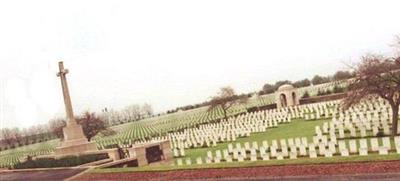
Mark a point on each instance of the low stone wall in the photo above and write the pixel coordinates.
(261, 108)
(317, 99)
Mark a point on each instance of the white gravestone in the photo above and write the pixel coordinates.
(363, 150)
(328, 153)
(303, 151)
(179, 161)
(332, 147)
(374, 144)
(311, 150)
(199, 161)
(386, 142)
(188, 161)
(265, 144)
(265, 156)
(279, 156)
(383, 150)
(321, 149)
(353, 146)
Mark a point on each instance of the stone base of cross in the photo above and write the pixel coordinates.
(74, 141)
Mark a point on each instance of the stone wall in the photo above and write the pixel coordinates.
(316, 99)
(266, 107)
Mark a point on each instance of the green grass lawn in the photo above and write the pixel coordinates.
(297, 128)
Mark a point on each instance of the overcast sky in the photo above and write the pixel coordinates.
(174, 53)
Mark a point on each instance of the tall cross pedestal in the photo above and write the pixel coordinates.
(74, 141)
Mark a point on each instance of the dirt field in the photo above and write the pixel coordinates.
(388, 170)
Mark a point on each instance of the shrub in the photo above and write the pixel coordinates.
(328, 92)
(323, 93)
(67, 161)
(306, 95)
(320, 93)
(338, 89)
(341, 75)
(380, 133)
(111, 146)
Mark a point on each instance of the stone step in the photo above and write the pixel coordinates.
(96, 163)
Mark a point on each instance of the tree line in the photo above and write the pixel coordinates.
(316, 80)
(15, 137)
(205, 103)
(271, 88)
(130, 113)
(91, 122)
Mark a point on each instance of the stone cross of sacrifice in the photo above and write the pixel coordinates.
(67, 99)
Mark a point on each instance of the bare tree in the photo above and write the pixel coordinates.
(56, 127)
(26, 136)
(7, 136)
(397, 48)
(115, 117)
(133, 111)
(377, 76)
(225, 99)
(146, 110)
(40, 132)
(17, 136)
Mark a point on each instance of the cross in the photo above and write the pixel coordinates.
(67, 98)
(63, 71)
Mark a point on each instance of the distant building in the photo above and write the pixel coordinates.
(286, 95)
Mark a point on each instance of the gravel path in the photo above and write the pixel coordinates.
(389, 170)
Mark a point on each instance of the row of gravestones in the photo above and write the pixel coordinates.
(333, 141)
(369, 105)
(196, 139)
(179, 146)
(206, 136)
(320, 110)
(313, 111)
(358, 116)
(355, 122)
(361, 130)
(313, 90)
(355, 125)
(334, 108)
(292, 112)
(266, 115)
(293, 151)
(363, 148)
(8, 160)
(210, 134)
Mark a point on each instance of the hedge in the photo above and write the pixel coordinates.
(67, 161)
